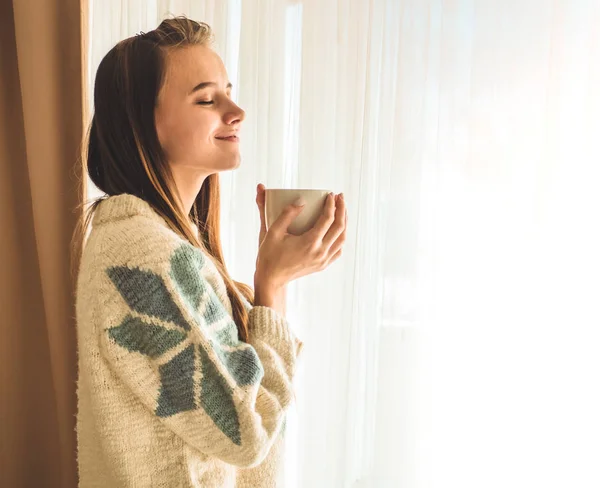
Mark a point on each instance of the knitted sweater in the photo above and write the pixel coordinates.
(168, 396)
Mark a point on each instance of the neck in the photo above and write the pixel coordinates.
(188, 185)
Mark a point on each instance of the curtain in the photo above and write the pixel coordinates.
(454, 342)
(41, 125)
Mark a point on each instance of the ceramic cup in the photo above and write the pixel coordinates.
(277, 199)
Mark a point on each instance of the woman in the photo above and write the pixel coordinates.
(185, 376)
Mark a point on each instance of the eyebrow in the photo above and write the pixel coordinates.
(205, 84)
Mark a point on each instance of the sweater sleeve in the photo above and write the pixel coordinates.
(171, 341)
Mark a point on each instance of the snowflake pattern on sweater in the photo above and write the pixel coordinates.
(146, 293)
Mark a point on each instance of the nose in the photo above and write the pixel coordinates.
(234, 116)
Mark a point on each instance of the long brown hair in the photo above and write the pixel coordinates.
(124, 154)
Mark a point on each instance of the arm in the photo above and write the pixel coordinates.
(268, 295)
(175, 346)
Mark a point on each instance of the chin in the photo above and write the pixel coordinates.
(229, 164)
(235, 163)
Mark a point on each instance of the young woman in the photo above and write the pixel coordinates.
(185, 376)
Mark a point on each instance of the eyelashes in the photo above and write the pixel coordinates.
(210, 102)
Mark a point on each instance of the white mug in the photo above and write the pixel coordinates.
(276, 199)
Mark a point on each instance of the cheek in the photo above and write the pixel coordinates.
(202, 125)
(187, 134)
(176, 132)
(193, 128)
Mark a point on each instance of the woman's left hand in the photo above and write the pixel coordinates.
(260, 201)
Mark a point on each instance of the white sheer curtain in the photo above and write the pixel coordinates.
(455, 343)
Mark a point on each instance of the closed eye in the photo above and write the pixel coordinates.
(205, 102)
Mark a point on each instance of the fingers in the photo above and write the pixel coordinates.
(335, 257)
(339, 224)
(341, 239)
(260, 202)
(260, 196)
(325, 220)
(288, 215)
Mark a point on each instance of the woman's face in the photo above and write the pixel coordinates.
(196, 120)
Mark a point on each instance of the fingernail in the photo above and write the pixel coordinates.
(300, 202)
(341, 196)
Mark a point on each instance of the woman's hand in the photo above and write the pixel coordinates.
(283, 257)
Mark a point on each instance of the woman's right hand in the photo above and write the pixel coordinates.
(284, 257)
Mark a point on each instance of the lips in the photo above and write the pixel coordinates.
(228, 138)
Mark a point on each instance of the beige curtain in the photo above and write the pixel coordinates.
(41, 127)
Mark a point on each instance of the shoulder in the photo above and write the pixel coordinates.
(139, 240)
(139, 253)
(141, 269)
(126, 227)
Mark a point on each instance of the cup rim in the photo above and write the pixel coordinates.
(298, 189)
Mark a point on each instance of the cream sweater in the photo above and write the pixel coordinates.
(167, 394)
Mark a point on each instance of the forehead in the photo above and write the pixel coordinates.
(187, 66)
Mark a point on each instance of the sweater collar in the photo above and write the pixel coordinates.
(123, 206)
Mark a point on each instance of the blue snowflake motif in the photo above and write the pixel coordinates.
(145, 292)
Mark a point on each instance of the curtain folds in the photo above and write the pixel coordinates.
(42, 116)
(463, 134)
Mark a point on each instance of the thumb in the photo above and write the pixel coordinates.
(288, 215)
(260, 201)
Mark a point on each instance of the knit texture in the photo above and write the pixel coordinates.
(168, 396)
